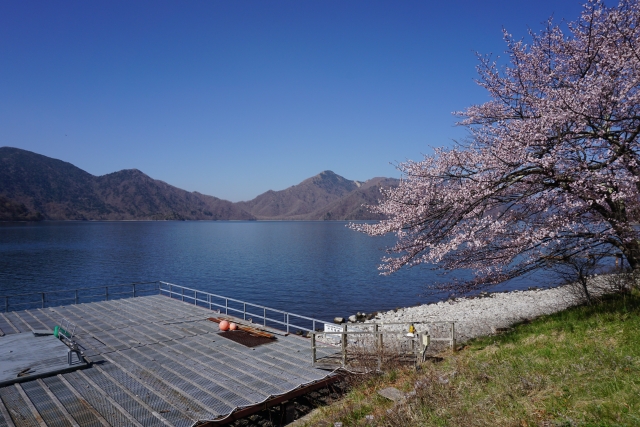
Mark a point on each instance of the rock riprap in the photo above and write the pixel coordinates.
(475, 317)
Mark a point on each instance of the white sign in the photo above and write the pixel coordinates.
(328, 327)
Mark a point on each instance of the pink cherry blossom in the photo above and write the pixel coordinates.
(552, 165)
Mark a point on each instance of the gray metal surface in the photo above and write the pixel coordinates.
(157, 361)
(25, 355)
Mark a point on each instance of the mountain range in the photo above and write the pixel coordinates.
(35, 187)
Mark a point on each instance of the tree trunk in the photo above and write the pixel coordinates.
(631, 252)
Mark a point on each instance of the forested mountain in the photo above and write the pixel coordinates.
(36, 187)
(52, 189)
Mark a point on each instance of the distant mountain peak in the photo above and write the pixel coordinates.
(33, 186)
(310, 199)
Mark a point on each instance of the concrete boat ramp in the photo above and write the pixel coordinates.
(151, 361)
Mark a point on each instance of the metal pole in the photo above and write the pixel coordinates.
(209, 300)
(226, 306)
(264, 316)
(378, 340)
(134, 290)
(287, 322)
(453, 336)
(313, 348)
(344, 345)
(244, 310)
(43, 300)
(106, 293)
(76, 296)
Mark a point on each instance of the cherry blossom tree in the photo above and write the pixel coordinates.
(551, 168)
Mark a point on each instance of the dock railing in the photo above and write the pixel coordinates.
(255, 313)
(55, 298)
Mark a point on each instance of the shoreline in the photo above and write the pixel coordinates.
(475, 317)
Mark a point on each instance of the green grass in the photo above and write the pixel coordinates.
(580, 367)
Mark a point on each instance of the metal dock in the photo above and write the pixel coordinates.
(155, 360)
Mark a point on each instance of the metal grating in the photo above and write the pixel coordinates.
(17, 408)
(185, 379)
(6, 324)
(157, 403)
(78, 408)
(227, 370)
(232, 390)
(47, 409)
(27, 320)
(261, 377)
(139, 412)
(97, 400)
(158, 361)
(199, 401)
(262, 367)
(16, 322)
(245, 338)
(42, 318)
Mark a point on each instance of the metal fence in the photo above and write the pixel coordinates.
(76, 296)
(368, 337)
(255, 313)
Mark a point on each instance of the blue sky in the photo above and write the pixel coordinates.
(233, 98)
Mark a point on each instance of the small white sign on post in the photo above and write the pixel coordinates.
(329, 327)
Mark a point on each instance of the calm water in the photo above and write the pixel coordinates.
(321, 269)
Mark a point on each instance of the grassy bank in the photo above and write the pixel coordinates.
(577, 367)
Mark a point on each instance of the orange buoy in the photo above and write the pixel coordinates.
(233, 326)
(224, 325)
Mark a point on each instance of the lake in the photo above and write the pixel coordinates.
(318, 269)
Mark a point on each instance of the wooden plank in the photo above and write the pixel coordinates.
(242, 327)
